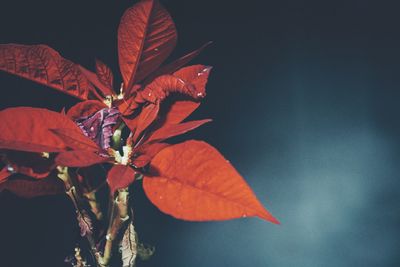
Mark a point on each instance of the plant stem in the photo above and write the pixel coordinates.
(118, 217)
(74, 194)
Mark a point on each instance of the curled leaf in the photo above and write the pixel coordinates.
(164, 85)
(192, 181)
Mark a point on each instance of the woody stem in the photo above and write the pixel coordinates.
(118, 217)
(72, 190)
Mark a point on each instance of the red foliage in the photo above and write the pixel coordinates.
(190, 181)
(193, 181)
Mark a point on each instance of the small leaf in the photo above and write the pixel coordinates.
(104, 74)
(146, 117)
(194, 182)
(29, 129)
(175, 65)
(171, 130)
(120, 176)
(146, 37)
(79, 158)
(95, 80)
(142, 155)
(28, 188)
(44, 65)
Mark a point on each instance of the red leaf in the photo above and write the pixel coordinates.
(120, 176)
(126, 106)
(79, 158)
(146, 117)
(131, 122)
(29, 164)
(75, 140)
(95, 80)
(197, 75)
(85, 108)
(175, 65)
(28, 129)
(104, 74)
(44, 65)
(171, 130)
(195, 182)
(145, 153)
(179, 110)
(4, 174)
(146, 37)
(26, 188)
(164, 85)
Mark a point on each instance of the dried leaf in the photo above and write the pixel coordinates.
(129, 247)
(120, 176)
(171, 130)
(28, 129)
(85, 223)
(194, 182)
(79, 158)
(146, 36)
(44, 65)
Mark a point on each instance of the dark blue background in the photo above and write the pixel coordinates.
(304, 97)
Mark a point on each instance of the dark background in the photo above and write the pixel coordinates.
(304, 97)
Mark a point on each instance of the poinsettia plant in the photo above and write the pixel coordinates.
(45, 152)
